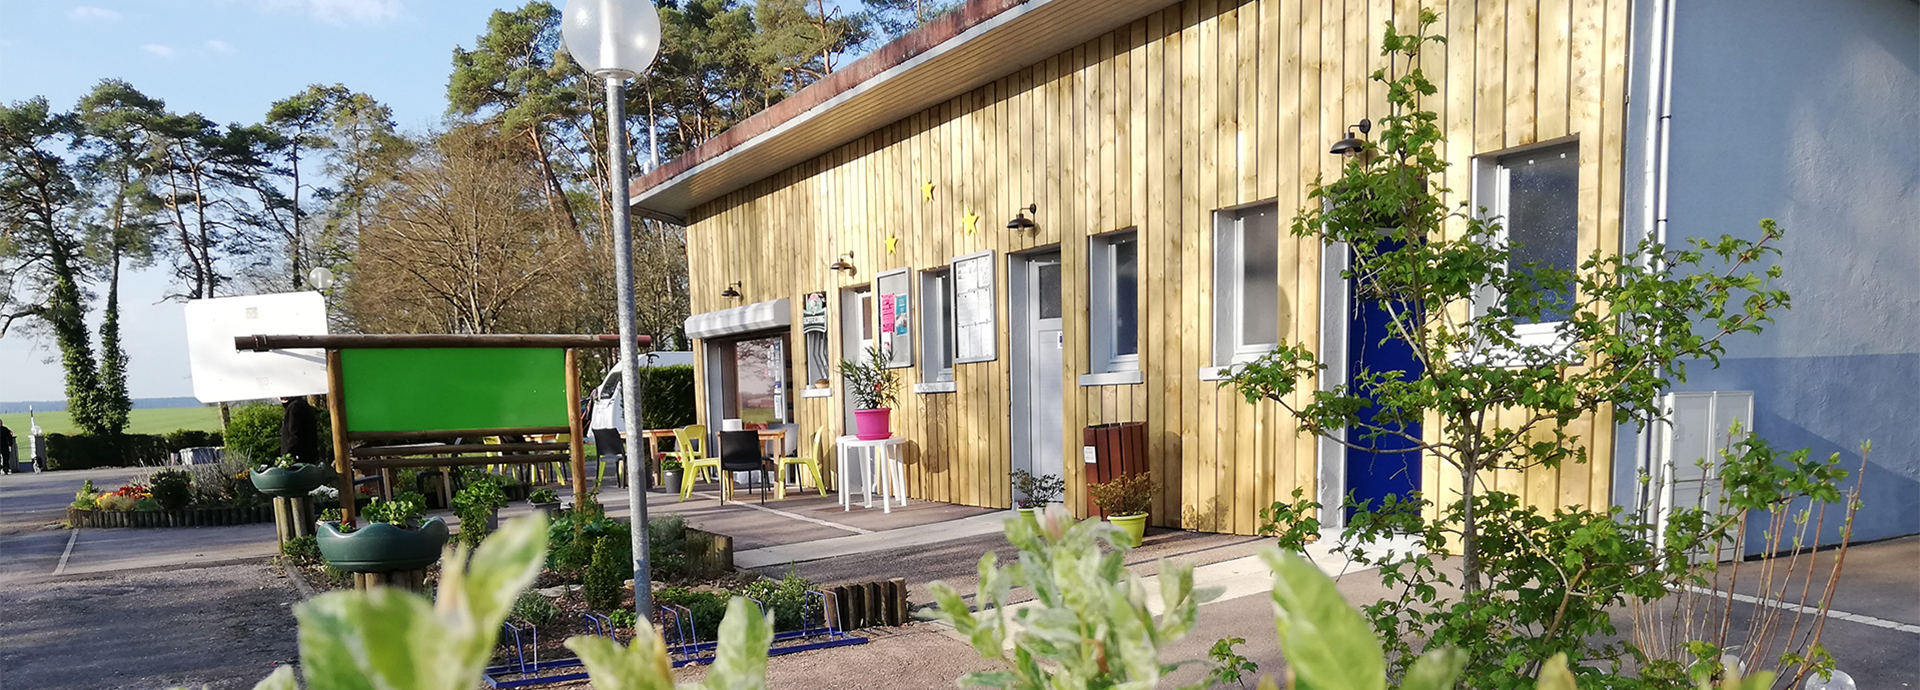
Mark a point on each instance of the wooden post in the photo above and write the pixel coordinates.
(342, 454)
(576, 428)
(292, 518)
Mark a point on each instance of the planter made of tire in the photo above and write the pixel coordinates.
(291, 483)
(1135, 527)
(380, 547)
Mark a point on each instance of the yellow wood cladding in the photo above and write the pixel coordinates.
(1205, 105)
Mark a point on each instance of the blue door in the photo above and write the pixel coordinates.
(1391, 463)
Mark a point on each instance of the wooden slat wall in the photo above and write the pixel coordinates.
(1208, 104)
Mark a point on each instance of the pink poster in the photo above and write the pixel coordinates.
(886, 311)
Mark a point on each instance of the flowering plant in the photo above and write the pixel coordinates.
(871, 383)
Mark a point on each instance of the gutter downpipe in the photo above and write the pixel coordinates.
(1654, 213)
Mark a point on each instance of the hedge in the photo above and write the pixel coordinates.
(84, 451)
(669, 397)
(253, 431)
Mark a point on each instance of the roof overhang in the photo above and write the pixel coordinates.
(978, 42)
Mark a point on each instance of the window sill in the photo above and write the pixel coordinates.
(943, 387)
(1219, 373)
(1114, 378)
(816, 392)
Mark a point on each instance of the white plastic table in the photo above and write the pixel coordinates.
(881, 460)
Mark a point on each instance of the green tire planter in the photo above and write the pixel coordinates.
(1134, 525)
(380, 547)
(291, 483)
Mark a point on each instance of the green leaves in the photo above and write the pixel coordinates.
(740, 662)
(393, 639)
(1325, 641)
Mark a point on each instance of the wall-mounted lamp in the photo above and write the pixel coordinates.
(732, 291)
(1021, 221)
(1353, 144)
(843, 263)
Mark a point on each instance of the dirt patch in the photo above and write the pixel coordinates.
(221, 627)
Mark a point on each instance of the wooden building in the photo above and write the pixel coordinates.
(1163, 149)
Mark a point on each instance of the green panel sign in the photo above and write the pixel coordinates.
(440, 389)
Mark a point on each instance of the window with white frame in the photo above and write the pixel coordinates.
(936, 326)
(1113, 302)
(1246, 283)
(1534, 195)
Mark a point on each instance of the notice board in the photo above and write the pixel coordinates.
(444, 389)
(977, 330)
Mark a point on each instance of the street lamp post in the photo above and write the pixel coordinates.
(616, 40)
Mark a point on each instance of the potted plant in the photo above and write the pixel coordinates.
(545, 501)
(287, 478)
(873, 387)
(390, 540)
(1036, 493)
(1126, 500)
(670, 476)
(478, 507)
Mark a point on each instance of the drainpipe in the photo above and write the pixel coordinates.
(1654, 212)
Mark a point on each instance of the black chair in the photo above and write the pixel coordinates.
(740, 452)
(607, 443)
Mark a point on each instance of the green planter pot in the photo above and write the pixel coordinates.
(1134, 525)
(293, 483)
(380, 547)
(1032, 517)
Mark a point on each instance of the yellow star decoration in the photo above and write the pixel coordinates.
(971, 221)
(926, 191)
(891, 243)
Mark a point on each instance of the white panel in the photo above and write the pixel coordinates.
(223, 374)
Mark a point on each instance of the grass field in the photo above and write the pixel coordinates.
(138, 422)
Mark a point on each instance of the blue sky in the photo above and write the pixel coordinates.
(226, 59)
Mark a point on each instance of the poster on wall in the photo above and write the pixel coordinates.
(895, 335)
(973, 308)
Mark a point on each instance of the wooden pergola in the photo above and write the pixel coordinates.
(488, 385)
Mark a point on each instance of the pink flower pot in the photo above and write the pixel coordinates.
(873, 425)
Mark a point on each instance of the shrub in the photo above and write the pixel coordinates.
(172, 489)
(84, 451)
(116, 502)
(667, 397)
(787, 598)
(399, 513)
(87, 497)
(190, 438)
(254, 431)
(301, 550)
(872, 383)
(475, 505)
(534, 608)
(706, 608)
(610, 569)
(1127, 494)
(543, 496)
(1038, 491)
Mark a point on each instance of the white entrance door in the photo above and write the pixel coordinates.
(1039, 327)
(1700, 426)
(856, 335)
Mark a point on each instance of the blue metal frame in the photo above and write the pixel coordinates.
(676, 626)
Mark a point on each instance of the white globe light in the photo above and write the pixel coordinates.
(320, 278)
(611, 38)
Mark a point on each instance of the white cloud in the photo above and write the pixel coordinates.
(340, 11)
(219, 46)
(88, 13)
(157, 49)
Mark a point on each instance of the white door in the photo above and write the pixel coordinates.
(856, 335)
(1698, 429)
(1044, 345)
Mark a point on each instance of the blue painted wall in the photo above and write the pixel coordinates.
(1808, 112)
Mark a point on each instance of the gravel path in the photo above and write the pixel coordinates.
(222, 627)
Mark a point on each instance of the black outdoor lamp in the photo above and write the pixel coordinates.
(1021, 221)
(843, 263)
(732, 291)
(1353, 144)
